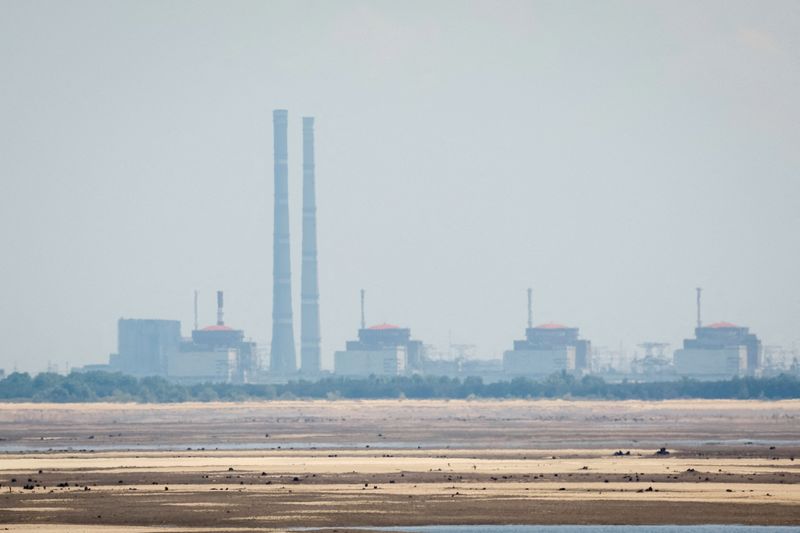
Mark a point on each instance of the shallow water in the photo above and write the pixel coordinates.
(36, 446)
(40, 446)
(590, 529)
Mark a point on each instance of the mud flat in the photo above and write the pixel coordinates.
(340, 464)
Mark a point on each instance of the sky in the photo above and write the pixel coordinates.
(610, 155)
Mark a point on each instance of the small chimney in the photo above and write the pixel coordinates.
(220, 321)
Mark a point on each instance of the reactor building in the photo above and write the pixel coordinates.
(718, 351)
(216, 353)
(381, 350)
(547, 349)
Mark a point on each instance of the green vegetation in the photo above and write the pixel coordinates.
(115, 387)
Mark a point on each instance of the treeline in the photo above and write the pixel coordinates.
(115, 387)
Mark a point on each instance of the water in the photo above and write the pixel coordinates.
(588, 529)
(50, 446)
(43, 446)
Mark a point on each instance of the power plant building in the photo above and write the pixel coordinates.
(382, 350)
(547, 349)
(215, 366)
(216, 353)
(143, 346)
(719, 351)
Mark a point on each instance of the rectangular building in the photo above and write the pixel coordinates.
(143, 345)
(711, 363)
(539, 363)
(703, 356)
(548, 349)
(382, 350)
(216, 366)
(382, 362)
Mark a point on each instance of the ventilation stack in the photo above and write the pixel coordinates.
(282, 353)
(196, 325)
(699, 321)
(363, 318)
(310, 359)
(220, 318)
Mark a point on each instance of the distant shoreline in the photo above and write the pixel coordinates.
(93, 387)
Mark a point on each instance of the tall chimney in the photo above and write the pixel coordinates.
(220, 321)
(530, 308)
(196, 325)
(310, 359)
(363, 319)
(282, 354)
(699, 322)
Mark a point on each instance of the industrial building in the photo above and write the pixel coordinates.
(547, 349)
(143, 346)
(215, 353)
(213, 366)
(381, 350)
(149, 347)
(719, 351)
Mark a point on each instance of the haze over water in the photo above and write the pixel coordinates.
(612, 157)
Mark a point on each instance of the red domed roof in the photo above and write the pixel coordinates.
(722, 325)
(384, 326)
(551, 325)
(217, 328)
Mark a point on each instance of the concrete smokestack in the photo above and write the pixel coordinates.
(282, 354)
(309, 282)
(220, 321)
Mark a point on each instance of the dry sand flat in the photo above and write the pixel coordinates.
(457, 423)
(478, 462)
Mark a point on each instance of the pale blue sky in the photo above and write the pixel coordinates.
(611, 155)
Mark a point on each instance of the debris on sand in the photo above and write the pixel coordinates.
(662, 451)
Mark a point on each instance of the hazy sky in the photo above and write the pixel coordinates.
(610, 155)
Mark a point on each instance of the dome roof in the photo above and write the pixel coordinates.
(217, 328)
(722, 325)
(384, 326)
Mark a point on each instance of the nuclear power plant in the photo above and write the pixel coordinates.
(547, 349)
(381, 350)
(719, 351)
(220, 353)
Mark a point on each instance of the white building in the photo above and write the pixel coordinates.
(202, 366)
(711, 364)
(539, 362)
(390, 361)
